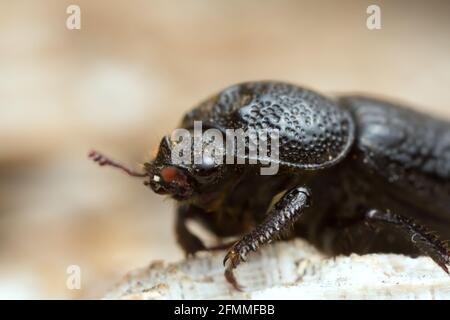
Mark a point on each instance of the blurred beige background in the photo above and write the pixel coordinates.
(126, 78)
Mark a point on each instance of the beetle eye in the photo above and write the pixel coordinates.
(171, 174)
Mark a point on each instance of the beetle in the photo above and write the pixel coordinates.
(378, 172)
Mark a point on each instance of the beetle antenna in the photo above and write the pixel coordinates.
(103, 160)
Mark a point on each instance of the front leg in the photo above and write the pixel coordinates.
(285, 212)
(189, 242)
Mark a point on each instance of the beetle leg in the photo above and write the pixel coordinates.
(189, 242)
(285, 212)
(421, 237)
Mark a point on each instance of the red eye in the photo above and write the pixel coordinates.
(173, 174)
(169, 174)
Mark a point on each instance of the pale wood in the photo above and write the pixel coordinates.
(289, 270)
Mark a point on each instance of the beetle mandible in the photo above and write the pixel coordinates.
(378, 172)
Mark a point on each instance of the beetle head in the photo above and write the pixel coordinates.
(183, 177)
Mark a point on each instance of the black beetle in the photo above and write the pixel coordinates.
(376, 170)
